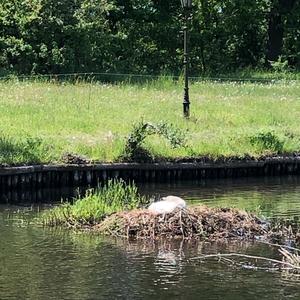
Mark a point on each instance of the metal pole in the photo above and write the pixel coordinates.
(186, 98)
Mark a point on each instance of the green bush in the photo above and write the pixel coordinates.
(142, 37)
(141, 130)
(267, 141)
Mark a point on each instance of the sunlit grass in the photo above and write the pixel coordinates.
(95, 119)
(115, 196)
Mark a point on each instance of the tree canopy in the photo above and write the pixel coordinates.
(144, 36)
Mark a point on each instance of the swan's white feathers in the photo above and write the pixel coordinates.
(167, 205)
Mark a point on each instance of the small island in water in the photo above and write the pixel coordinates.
(118, 209)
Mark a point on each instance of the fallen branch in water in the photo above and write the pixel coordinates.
(291, 258)
(254, 267)
(279, 245)
(288, 264)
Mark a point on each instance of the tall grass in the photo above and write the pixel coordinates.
(94, 120)
(114, 196)
(23, 150)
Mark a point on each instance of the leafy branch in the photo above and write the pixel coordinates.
(142, 130)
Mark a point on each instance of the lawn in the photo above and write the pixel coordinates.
(40, 121)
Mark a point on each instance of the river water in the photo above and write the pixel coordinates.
(45, 263)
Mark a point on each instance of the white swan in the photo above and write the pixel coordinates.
(167, 205)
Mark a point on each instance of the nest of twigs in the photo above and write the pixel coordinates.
(74, 159)
(196, 222)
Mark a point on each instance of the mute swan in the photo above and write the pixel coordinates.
(167, 205)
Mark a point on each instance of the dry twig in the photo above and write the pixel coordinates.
(261, 258)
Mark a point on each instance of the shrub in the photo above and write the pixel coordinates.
(142, 130)
(267, 141)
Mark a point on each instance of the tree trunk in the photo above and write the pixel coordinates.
(280, 9)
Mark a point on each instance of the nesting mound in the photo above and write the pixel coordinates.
(195, 222)
(74, 159)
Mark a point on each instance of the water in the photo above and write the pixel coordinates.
(39, 263)
(270, 196)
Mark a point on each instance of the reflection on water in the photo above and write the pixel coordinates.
(43, 263)
(39, 263)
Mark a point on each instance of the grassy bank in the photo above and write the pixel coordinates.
(41, 121)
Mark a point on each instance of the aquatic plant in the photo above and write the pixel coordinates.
(112, 197)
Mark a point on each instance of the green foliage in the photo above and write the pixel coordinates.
(280, 66)
(267, 141)
(29, 150)
(114, 196)
(142, 130)
(141, 37)
(291, 34)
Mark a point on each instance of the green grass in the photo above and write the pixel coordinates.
(40, 121)
(279, 72)
(115, 196)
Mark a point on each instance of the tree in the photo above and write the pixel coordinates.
(279, 13)
(143, 36)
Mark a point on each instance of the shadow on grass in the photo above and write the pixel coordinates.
(141, 155)
(27, 151)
